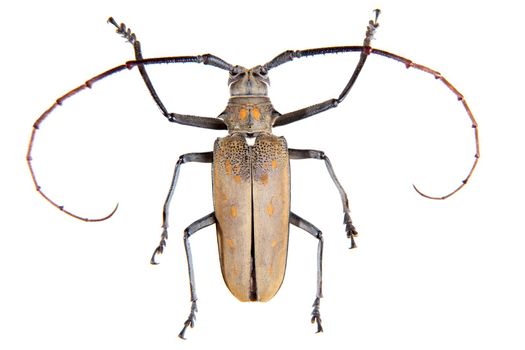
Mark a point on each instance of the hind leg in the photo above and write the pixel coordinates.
(314, 231)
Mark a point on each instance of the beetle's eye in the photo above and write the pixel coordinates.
(263, 71)
(235, 71)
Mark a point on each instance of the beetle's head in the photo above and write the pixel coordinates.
(249, 82)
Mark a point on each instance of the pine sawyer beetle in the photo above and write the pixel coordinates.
(251, 182)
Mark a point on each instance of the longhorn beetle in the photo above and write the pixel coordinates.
(251, 183)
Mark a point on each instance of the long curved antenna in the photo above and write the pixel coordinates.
(288, 56)
(36, 127)
(409, 64)
(192, 121)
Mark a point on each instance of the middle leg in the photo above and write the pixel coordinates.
(313, 154)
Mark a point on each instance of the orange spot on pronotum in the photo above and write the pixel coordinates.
(274, 164)
(256, 114)
(237, 178)
(228, 166)
(233, 211)
(243, 114)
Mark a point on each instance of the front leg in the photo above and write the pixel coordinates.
(314, 154)
(204, 157)
(287, 56)
(207, 59)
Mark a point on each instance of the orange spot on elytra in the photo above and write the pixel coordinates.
(230, 243)
(269, 209)
(237, 178)
(234, 271)
(274, 243)
(221, 195)
(264, 179)
(228, 166)
(274, 164)
(233, 211)
(243, 114)
(256, 114)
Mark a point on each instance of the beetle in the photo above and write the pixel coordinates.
(251, 180)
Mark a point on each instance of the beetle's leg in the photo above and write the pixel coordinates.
(314, 231)
(334, 102)
(313, 154)
(207, 59)
(194, 227)
(205, 157)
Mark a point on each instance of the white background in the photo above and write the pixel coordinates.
(427, 274)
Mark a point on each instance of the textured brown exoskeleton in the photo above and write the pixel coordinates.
(251, 183)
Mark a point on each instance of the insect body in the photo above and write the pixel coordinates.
(251, 181)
